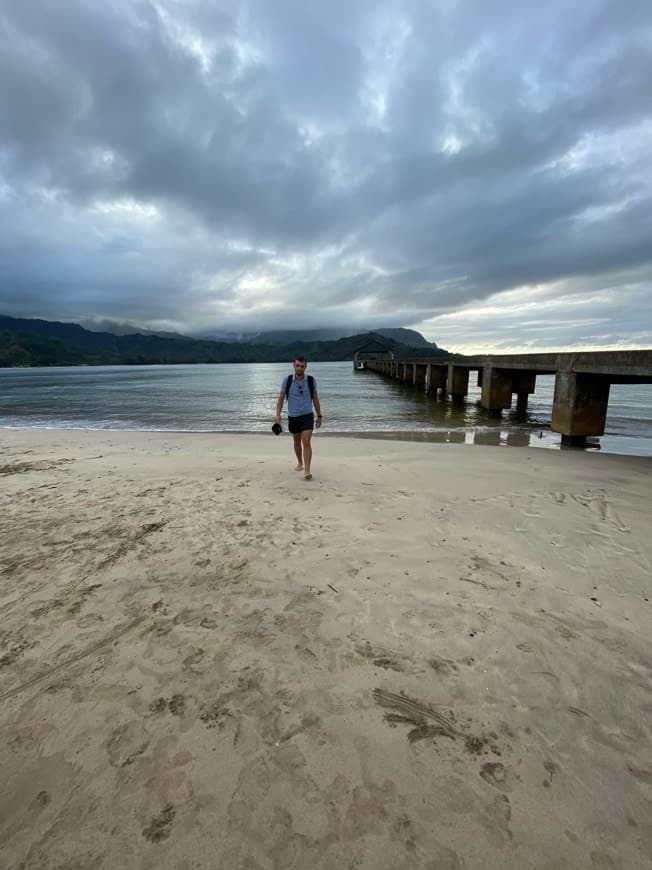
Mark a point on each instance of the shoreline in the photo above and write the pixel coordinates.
(422, 657)
(490, 436)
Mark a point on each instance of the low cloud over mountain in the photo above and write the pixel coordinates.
(479, 172)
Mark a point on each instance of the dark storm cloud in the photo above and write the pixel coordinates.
(299, 163)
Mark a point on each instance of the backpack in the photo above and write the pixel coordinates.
(311, 385)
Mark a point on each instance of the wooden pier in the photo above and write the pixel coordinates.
(582, 382)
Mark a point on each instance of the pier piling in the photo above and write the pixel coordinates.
(582, 383)
(579, 406)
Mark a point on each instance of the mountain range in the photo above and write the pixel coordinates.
(407, 337)
(34, 342)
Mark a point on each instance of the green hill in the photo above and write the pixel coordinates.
(406, 337)
(27, 342)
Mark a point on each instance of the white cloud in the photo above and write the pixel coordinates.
(481, 172)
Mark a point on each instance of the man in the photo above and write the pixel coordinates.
(301, 420)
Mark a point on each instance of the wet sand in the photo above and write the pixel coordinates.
(429, 656)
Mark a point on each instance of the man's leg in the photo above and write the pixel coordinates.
(306, 441)
(298, 450)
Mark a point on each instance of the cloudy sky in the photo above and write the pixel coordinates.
(479, 170)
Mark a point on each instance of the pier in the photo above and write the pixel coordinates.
(582, 382)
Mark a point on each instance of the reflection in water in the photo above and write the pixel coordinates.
(491, 437)
(483, 437)
(519, 439)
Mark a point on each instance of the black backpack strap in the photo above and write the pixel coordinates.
(311, 385)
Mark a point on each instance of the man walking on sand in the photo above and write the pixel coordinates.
(301, 395)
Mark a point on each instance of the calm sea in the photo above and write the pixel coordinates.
(241, 398)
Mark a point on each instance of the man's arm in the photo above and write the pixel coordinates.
(315, 401)
(279, 407)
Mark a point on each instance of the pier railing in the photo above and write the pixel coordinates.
(582, 382)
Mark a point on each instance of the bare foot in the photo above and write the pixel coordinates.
(299, 468)
(308, 477)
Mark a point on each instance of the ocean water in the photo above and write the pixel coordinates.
(242, 398)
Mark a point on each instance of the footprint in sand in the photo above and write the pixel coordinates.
(160, 825)
(42, 799)
(126, 744)
(176, 705)
(208, 623)
(495, 774)
(194, 658)
(551, 769)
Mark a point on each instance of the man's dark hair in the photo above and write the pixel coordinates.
(300, 359)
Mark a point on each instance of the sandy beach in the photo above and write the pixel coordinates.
(429, 656)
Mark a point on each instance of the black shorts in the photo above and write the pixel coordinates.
(304, 423)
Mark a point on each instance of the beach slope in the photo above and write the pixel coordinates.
(429, 656)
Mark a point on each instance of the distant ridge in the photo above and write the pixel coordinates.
(34, 342)
(406, 337)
